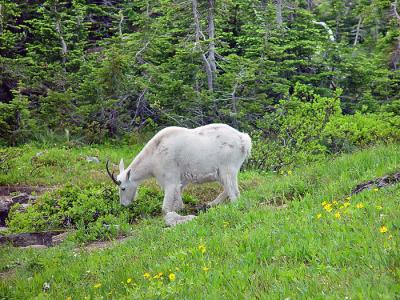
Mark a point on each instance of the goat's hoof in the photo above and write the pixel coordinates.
(172, 218)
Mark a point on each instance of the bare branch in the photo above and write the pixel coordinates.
(329, 31)
(357, 31)
(395, 13)
(121, 20)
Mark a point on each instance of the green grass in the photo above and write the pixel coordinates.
(58, 165)
(254, 248)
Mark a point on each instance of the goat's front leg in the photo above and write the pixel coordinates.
(172, 203)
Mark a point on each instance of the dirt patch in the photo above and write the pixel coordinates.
(96, 245)
(9, 273)
(377, 183)
(275, 203)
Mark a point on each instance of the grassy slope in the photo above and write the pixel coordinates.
(58, 164)
(252, 249)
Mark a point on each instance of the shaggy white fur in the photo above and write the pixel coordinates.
(177, 156)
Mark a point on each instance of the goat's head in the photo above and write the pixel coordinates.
(127, 186)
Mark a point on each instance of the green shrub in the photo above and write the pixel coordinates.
(293, 132)
(307, 127)
(93, 211)
(359, 130)
(16, 124)
(7, 158)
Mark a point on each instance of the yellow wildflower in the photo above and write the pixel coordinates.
(383, 229)
(334, 202)
(205, 269)
(390, 237)
(147, 275)
(158, 276)
(69, 298)
(319, 216)
(97, 285)
(289, 172)
(346, 204)
(375, 189)
(202, 248)
(337, 215)
(129, 280)
(324, 203)
(379, 207)
(171, 276)
(360, 205)
(348, 198)
(328, 207)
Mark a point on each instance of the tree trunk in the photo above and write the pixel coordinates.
(310, 4)
(198, 32)
(121, 21)
(279, 20)
(234, 107)
(64, 49)
(211, 36)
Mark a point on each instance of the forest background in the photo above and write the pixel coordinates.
(306, 78)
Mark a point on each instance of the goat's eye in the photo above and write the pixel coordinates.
(122, 189)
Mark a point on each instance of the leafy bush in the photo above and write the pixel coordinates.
(307, 127)
(344, 132)
(7, 158)
(16, 125)
(293, 132)
(93, 210)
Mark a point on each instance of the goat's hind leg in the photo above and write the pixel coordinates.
(231, 184)
(229, 180)
(221, 198)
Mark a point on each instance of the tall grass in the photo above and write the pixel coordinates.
(280, 240)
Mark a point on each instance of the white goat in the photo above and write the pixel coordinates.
(176, 156)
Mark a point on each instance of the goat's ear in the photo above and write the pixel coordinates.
(128, 174)
(121, 166)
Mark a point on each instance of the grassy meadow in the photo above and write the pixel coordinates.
(295, 235)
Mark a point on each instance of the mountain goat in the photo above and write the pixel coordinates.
(176, 156)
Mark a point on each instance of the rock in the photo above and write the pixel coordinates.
(378, 183)
(5, 206)
(92, 159)
(28, 239)
(23, 207)
(111, 226)
(59, 238)
(21, 198)
(46, 286)
(6, 202)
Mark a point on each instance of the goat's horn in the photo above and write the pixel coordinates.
(111, 174)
